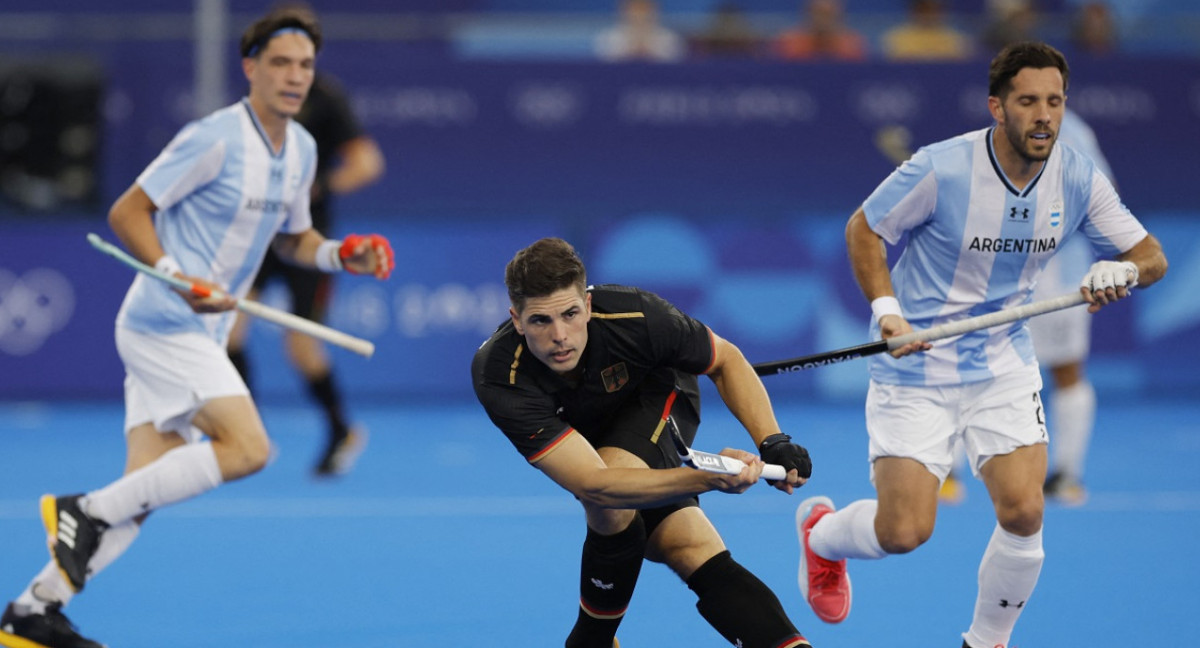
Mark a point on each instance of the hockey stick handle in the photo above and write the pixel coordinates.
(716, 463)
(987, 320)
(942, 331)
(285, 319)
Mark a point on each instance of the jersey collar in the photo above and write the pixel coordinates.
(1004, 178)
(262, 133)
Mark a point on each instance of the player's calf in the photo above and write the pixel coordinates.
(741, 607)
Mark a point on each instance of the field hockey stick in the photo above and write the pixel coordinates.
(287, 320)
(716, 463)
(926, 335)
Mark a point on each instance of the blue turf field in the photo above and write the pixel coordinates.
(443, 537)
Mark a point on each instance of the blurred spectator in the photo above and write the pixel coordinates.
(823, 36)
(729, 33)
(1009, 21)
(1094, 32)
(638, 36)
(925, 36)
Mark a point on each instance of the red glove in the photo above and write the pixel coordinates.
(385, 258)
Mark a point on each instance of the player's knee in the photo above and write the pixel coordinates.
(683, 550)
(257, 451)
(1022, 518)
(243, 454)
(902, 537)
(607, 521)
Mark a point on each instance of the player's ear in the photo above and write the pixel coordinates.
(516, 320)
(248, 64)
(587, 304)
(996, 107)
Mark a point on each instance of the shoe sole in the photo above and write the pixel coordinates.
(802, 513)
(13, 641)
(49, 508)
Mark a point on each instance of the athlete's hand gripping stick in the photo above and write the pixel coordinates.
(716, 463)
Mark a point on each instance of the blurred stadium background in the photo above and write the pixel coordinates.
(721, 181)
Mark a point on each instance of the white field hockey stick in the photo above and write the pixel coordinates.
(716, 463)
(949, 329)
(360, 346)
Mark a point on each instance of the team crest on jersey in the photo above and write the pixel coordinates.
(615, 377)
(1056, 210)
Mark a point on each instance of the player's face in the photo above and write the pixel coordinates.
(1032, 112)
(555, 327)
(282, 74)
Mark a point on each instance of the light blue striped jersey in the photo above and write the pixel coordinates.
(222, 194)
(1074, 257)
(976, 245)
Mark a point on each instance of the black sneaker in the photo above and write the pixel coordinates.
(1065, 489)
(73, 536)
(51, 629)
(342, 453)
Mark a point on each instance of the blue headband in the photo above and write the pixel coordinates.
(278, 32)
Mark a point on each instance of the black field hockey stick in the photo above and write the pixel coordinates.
(949, 329)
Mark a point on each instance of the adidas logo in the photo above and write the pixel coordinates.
(67, 527)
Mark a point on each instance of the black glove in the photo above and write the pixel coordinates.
(779, 449)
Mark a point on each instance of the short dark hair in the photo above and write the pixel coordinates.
(1017, 56)
(256, 36)
(543, 268)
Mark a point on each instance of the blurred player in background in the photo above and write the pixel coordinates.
(205, 209)
(347, 160)
(583, 383)
(983, 212)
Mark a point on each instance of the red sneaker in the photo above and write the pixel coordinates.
(824, 583)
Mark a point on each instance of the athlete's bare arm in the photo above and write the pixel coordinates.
(575, 465)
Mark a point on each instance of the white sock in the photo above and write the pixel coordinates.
(848, 533)
(1074, 412)
(179, 474)
(1007, 574)
(49, 586)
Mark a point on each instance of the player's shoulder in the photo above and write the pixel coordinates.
(627, 304)
(303, 137)
(614, 298)
(958, 143)
(499, 349)
(215, 125)
(212, 130)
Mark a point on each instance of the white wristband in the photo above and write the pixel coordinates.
(167, 265)
(328, 259)
(888, 305)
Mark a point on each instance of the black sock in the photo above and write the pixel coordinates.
(325, 392)
(241, 363)
(739, 606)
(607, 575)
